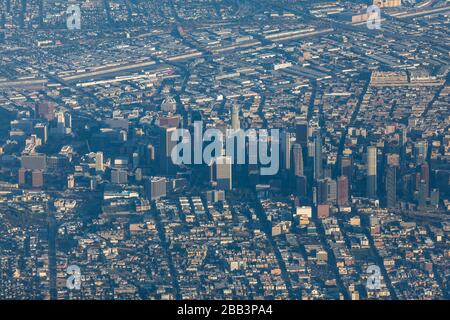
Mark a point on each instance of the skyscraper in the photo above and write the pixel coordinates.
(119, 176)
(434, 198)
(235, 120)
(421, 151)
(371, 179)
(425, 176)
(41, 131)
(391, 186)
(301, 188)
(442, 179)
(326, 191)
(408, 187)
(422, 194)
(322, 192)
(332, 190)
(286, 149)
(99, 167)
(61, 123)
(155, 187)
(342, 191)
(23, 173)
(347, 169)
(301, 133)
(318, 170)
(165, 149)
(222, 172)
(298, 160)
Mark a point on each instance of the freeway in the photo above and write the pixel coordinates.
(35, 83)
(423, 13)
(108, 70)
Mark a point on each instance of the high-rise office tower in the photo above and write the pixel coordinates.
(347, 169)
(404, 136)
(332, 191)
(422, 194)
(408, 187)
(298, 160)
(318, 169)
(149, 155)
(155, 188)
(135, 161)
(23, 176)
(301, 188)
(286, 149)
(60, 123)
(119, 176)
(442, 179)
(214, 196)
(68, 122)
(138, 175)
(310, 150)
(417, 181)
(421, 151)
(222, 172)
(235, 120)
(301, 133)
(391, 186)
(434, 198)
(326, 191)
(41, 131)
(99, 166)
(371, 179)
(322, 191)
(425, 176)
(327, 171)
(166, 146)
(342, 191)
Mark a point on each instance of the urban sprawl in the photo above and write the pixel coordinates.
(88, 181)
